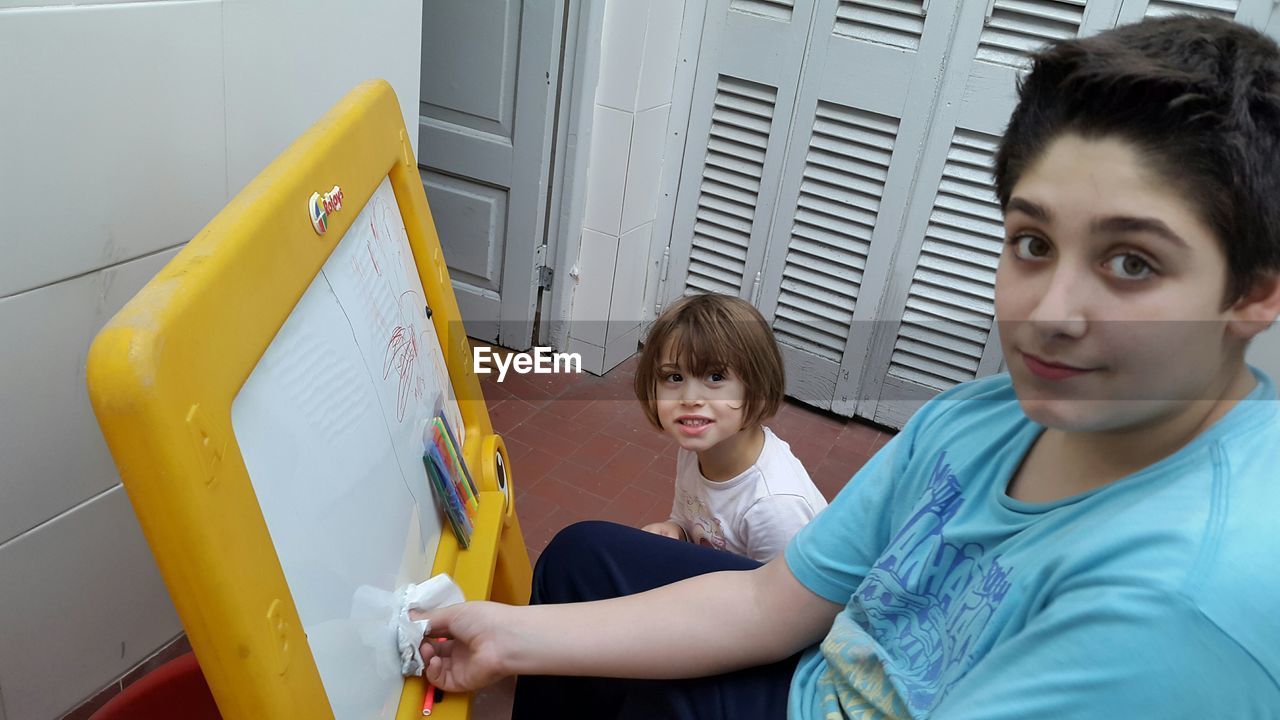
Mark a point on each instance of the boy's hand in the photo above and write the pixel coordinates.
(468, 645)
(666, 529)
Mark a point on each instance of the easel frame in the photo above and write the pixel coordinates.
(165, 370)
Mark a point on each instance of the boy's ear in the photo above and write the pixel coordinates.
(1259, 307)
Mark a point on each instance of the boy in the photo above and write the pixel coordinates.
(1090, 536)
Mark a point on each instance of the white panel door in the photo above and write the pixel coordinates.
(852, 153)
(484, 138)
(743, 95)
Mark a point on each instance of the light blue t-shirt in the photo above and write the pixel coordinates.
(1155, 596)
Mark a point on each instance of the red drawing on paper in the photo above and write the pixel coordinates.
(402, 357)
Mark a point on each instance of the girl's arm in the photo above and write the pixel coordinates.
(705, 625)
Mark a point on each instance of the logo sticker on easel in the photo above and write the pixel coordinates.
(322, 206)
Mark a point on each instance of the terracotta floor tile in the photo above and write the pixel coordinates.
(515, 448)
(526, 388)
(599, 413)
(530, 469)
(565, 408)
(554, 435)
(834, 473)
(568, 496)
(493, 391)
(597, 450)
(811, 454)
(631, 460)
(857, 437)
(636, 507)
(509, 413)
(637, 431)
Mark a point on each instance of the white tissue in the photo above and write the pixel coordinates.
(437, 592)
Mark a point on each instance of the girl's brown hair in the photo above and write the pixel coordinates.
(713, 333)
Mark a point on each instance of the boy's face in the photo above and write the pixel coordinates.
(698, 412)
(1109, 291)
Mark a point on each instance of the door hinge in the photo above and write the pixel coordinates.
(545, 276)
(662, 280)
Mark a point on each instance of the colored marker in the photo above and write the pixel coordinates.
(428, 702)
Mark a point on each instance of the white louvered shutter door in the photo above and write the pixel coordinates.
(744, 90)
(850, 160)
(938, 324)
(1254, 13)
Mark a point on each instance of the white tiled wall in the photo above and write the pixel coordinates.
(126, 126)
(629, 138)
(82, 594)
(317, 50)
(50, 441)
(107, 138)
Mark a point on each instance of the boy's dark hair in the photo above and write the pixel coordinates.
(708, 334)
(1199, 98)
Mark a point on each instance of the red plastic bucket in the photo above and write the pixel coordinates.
(174, 690)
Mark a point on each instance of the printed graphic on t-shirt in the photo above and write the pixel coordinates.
(920, 613)
(706, 527)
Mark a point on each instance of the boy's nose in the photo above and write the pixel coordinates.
(1062, 309)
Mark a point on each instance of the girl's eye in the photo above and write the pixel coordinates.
(716, 377)
(673, 377)
(1031, 247)
(1130, 266)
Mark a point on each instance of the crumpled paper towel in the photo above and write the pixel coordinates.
(437, 592)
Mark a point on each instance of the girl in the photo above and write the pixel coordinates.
(709, 374)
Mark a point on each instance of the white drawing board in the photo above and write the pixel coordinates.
(330, 426)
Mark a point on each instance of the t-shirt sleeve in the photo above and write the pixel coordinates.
(833, 553)
(1120, 653)
(770, 523)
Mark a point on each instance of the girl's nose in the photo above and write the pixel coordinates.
(690, 393)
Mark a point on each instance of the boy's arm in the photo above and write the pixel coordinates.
(705, 625)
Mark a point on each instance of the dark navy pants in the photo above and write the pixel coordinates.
(600, 560)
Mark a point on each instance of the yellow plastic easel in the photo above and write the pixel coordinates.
(165, 370)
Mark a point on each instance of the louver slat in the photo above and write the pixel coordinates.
(950, 304)
(773, 9)
(1017, 28)
(840, 191)
(899, 23)
(741, 118)
(1225, 9)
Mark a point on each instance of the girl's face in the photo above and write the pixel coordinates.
(699, 412)
(1109, 293)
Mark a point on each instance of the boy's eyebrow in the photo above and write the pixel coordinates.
(1026, 207)
(1113, 225)
(1128, 224)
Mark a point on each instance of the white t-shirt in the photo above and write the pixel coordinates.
(754, 514)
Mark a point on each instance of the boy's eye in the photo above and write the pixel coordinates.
(1130, 266)
(1031, 247)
